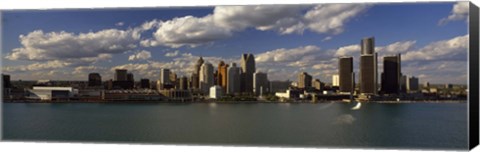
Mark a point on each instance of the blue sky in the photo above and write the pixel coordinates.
(288, 39)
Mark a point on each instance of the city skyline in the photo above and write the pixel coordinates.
(436, 55)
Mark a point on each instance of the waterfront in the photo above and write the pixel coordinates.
(375, 125)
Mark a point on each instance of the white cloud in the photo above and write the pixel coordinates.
(283, 55)
(323, 66)
(348, 50)
(327, 38)
(187, 31)
(172, 54)
(142, 55)
(459, 12)
(397, 47)
(331, 18)
(120, 24)
(452, 49)
(83, 70)
(40, 46)
(37, 66)
(225, 20)
(282, 18)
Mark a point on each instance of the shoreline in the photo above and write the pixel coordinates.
(232, 102)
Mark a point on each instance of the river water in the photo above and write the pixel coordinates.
(374, 125)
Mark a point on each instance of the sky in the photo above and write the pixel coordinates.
(432, 39)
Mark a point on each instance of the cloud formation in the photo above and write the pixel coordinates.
(459, 12)
(172, 54)
(225, 20)
(142, 55)
(40, 46)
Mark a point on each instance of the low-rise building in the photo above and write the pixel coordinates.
(216, 92)
(51, 93)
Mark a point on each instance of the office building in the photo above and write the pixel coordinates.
(368, 67)
(206, 77)
(130, 77)
(260, 83)
(318, 85)
(247, 63)
(279, 86)
(412, 84)
(194, 81)
(403, 84)
(222, 75)
(335, 80)
(94, 79)
(183, 83)
(304, 80)
(391, 74)
(448, 86)
(165, 76)
(6, 81)
(196, 74)
(120, 75)
(216, 92)
(145, 83)
(345, 71)
(233, 79)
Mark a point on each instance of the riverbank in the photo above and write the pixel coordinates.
(225, 102)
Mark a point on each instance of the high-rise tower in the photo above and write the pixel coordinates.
(368, 67)
(248, 68)
(345, 72)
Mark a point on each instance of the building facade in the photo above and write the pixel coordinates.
(412, 84)
(345, 71)
(336, 80)
(368, 67)
(391, 74)
(206, 77)
(318, 85)
(233, 80)
(222, 77)
(94, 79)
(120, 75)
(196, 74)
(247, 63)
(304, 80)
(260, 83)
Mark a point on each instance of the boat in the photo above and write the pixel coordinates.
(359, 104)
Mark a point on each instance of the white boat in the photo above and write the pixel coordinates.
(359, 104)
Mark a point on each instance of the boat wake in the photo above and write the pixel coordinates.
(359, 104)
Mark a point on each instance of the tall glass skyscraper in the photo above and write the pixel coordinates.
(368, 67)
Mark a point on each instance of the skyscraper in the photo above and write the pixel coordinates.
(120, 75)
(247, 63)
(94, 79)
(345, 71)
(260, 83)
(196, 74)
(164, 81)
(233, 80)
(304, 80)
(222, 75)
(183, 83)
(368, 67)
(391, 74)
(6, 81)
(206, 77)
